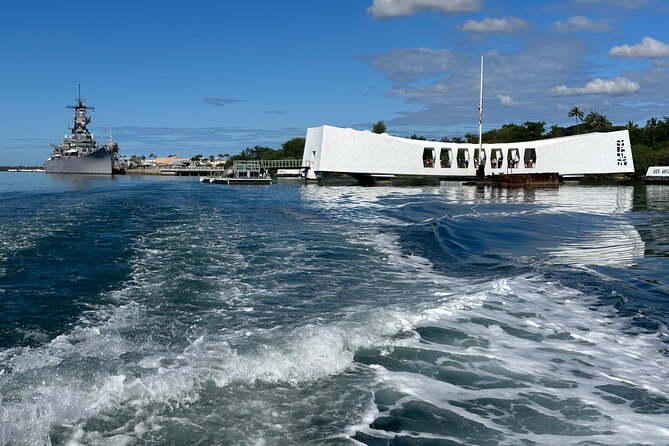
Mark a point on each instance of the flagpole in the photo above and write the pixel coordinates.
(481, 113)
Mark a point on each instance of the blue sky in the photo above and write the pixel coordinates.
(176, 77)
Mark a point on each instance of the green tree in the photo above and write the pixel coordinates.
(645, 156)
(596, 122)
(535, 129)
(294, 148)
(471, 138)
(556, 131)
(635, 132)
(652, 123)
(379, 127)
(577, 113)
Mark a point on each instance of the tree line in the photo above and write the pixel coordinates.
(291, 149)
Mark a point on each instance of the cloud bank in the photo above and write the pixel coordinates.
(389, 9)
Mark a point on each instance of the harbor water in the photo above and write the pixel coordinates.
(152, 310)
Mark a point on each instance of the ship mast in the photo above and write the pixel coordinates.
(81, 118)
(481, 112)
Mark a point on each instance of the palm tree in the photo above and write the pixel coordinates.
(555, 131)
(577, 113)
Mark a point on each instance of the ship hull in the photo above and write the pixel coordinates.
(98, 163)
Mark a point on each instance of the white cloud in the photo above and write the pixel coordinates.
(488, 25)
(506, 100)
(580, 23)
(648, 48)
(615, 86)
(387, 9)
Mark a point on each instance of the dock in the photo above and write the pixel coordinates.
(231, 180)
(242, 172)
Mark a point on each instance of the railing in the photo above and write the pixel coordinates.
(284, 164)
(189, 168)
(254, 164)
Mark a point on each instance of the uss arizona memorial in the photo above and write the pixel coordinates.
(366, 155)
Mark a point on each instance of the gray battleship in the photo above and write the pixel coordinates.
(79, 152)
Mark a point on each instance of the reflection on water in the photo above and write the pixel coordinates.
(618, 246)
(657, 197)
(594, 200)
(573, 225)
(79, 182)
(652, 206)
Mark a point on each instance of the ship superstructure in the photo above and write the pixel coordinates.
(79, 152)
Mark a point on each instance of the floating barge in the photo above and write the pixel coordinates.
(242, 172)
(232, 180)
(519, 180)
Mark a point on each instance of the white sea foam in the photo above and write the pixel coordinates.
(547, 339)
(48, 390)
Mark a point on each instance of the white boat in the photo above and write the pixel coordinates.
(287, 173)
(657, 175)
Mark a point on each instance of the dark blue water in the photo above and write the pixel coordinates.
(148, 310)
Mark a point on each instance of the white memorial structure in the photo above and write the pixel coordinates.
(363, 154)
